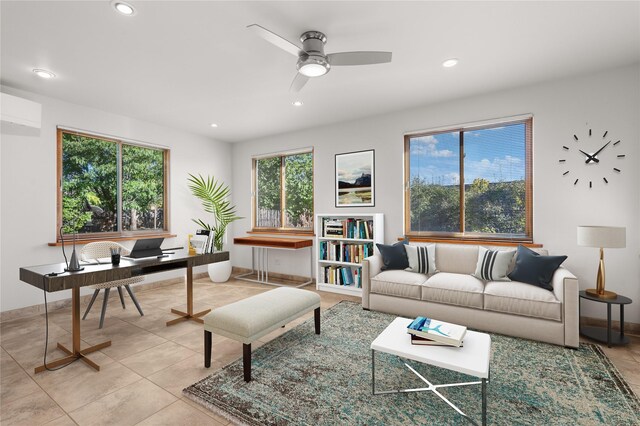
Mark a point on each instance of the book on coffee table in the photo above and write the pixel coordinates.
(421, 341)
(438, 331)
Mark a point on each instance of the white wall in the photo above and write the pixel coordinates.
(28, 187)
(606, 101)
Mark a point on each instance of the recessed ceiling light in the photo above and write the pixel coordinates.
(297, 103)
(214, 125)
(123, 8)
(43, 73)
(450, 63)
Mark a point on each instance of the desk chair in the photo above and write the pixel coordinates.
(101, 250)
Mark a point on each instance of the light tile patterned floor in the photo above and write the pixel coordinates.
(147, 366)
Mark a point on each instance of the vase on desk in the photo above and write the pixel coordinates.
(220, 272)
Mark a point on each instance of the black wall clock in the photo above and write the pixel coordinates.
(593, 155)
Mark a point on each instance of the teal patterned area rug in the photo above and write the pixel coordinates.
(301, 378)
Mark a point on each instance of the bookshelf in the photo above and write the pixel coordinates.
(343, 240)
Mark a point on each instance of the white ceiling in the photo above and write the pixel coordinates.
(188, 64)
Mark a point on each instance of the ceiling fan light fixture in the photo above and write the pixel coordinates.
(297, 103)
(313, 66)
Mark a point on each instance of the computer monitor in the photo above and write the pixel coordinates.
(146, 248)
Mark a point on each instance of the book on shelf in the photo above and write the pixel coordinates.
(348, 276)
(341, 275)
(340, 251)
(347, 228)
(439, 331)
(421, 341)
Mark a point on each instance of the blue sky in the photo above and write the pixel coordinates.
(495, 154)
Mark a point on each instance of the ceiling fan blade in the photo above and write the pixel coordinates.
(358, 58)
(275, 39)
(298, 82)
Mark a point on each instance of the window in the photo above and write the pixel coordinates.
(470, 182)
(283, 192)
(110, 188)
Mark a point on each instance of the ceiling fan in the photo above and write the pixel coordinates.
(312, 61)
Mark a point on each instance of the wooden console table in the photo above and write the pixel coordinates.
(52, 278)
(262, 246)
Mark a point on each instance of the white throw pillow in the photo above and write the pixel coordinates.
(493, 265)
(422, 259)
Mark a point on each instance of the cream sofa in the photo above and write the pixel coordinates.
(454, 295)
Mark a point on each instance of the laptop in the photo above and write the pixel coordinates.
(146, 248)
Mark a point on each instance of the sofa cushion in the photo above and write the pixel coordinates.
(493, 264)
(454, 289)
(521, 299)
(457, 258)
(512, 266)
(533, 268)
(422, 258)
(398, 283)
(394, 256)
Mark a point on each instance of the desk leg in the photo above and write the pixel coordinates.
(260, 267)
(77, 352)
(189, 290)
(311, 255)
(189, 315)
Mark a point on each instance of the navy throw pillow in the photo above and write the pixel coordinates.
(394, 256)
(533, 268)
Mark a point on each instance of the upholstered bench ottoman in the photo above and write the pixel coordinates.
(251, 318)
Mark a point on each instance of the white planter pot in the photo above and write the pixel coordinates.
(220, 272)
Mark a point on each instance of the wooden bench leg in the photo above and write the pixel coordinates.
(207, 349)
(316, 316)
(246, 361)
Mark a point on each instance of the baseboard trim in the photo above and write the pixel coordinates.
(278, 276)
(29, 311)
(629, 327)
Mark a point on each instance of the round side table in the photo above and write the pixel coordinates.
(601, 334)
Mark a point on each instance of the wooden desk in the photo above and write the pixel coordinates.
(42, 277)
(262, 246)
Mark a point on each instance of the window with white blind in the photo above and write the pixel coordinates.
(470, 182)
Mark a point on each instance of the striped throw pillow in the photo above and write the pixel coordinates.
(493, 264)
(422, 259)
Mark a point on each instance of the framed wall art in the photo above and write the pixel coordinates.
(355, 180)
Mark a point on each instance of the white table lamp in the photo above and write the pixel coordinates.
(601, 237)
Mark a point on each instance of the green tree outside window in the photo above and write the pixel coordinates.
(96, 171)
(284, 192)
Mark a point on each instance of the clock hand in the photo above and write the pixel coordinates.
(598, 151)
(590, 158)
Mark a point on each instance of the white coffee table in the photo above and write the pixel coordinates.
(471, 359)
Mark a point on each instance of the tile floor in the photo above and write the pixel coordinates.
(147, 365)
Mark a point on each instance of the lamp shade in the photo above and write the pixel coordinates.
(602, 236)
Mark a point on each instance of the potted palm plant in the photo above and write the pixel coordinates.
(214, 197)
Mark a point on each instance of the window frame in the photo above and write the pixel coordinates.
(120, 234)
(527, 238)
(254, 192)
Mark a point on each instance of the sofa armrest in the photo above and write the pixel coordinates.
(371, 266)
(565, 288)
(375, 264)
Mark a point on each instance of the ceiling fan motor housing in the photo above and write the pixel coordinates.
(313, 47)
